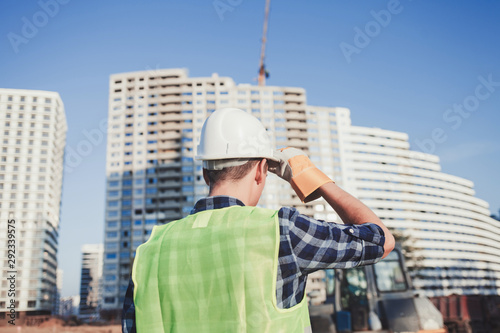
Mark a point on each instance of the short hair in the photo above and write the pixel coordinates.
(232, 173)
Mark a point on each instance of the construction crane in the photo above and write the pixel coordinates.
(263, 74)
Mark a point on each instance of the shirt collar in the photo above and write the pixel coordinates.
(216, 202)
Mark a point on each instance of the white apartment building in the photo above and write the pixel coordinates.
(456, 241)
(33, 133)
(155, 119)
(90, 278)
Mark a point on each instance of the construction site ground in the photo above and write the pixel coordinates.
(57, 326)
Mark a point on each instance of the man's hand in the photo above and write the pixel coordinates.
(295, 167)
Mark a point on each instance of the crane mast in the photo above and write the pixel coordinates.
(262, 68)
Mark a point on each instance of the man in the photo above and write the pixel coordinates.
(233, 267)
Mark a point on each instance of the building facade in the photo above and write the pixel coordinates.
(33, 134)
(155, 120)
(90, 279)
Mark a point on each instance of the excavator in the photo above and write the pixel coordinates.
(375, 298)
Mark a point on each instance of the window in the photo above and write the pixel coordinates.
(389, 274)
(112, 245)
(112, 213)
(112, 224)
(110, 267)
(151, 190)
(110, 277)
(188, 188)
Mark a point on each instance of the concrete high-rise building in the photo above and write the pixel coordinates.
(90, 291)
(33, 134)
(59, 284)
(69, 306)
(155, 120)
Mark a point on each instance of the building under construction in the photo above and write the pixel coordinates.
(155, 120)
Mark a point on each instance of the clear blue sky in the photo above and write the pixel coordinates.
(414, 68)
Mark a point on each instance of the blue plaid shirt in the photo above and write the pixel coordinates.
(306, 245)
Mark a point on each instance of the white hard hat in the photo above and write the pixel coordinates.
(230, 137)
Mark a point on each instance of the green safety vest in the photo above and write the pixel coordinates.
(214, 271)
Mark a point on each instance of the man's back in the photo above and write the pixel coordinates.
(305, 245)
(214, 270)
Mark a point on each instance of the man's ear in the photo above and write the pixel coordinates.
(205, 176)
(261, 172)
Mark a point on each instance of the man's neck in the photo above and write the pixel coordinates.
(232, 190)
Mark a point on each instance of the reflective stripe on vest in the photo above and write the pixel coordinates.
(214, 271)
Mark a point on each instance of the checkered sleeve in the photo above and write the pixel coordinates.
(128, 313)
(319, 245)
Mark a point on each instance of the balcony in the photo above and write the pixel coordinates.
(171, 116)
(168, 204)
(168, 155)
(296, 125)
(170, 107)
(169, 173)
(169, 99)
(170, 144)
(295, 115)
(295, 107)
(301, 134)
(170, 134)
(171, 193)
(170, 89)
(168, 185)
(294, 98)
(298, 143)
